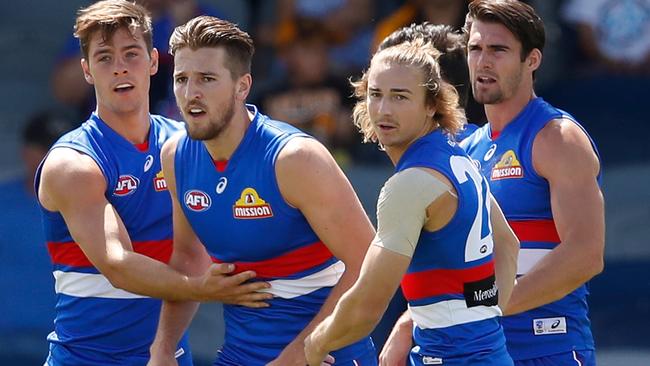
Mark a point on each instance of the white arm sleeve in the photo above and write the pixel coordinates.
(401, 209)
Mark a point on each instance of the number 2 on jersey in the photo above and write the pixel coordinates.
(479, 242)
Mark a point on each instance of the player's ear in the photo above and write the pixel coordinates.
(86, 70)
(154, 61)
(534, 59)
(243, 87)
(431, 111)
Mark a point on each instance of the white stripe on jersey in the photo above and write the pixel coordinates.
(288, 289)
(528, 258)
(450, 312)
(575, 358)
(88, 285)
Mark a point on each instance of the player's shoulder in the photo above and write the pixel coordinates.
(69, 176)
(274, 131)
(432, 150)
(562, 147)
(65, 162)
(413, 188)
(301, 150)
(417, 176)
(67, 171)
(80, 135)
(474, 137)
(306, 173)
(467, 130)
(562, 132)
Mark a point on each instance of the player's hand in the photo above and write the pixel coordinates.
(397, 347)
(216, 284)
(316, 356)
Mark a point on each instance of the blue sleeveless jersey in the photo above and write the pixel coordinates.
(450, 283)
(96, 323)
(524, 197)
(468, 130)
(241, 217)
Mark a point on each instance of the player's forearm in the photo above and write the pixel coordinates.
(405, 322)
(399, 342)
(505, 258)
(175, 317)
(559, 273)
(403, 328)
(351, 320)
(346, 281)
(142, 275)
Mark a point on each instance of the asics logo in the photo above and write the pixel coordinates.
(148, 163)
(488, 155)
(221, 186)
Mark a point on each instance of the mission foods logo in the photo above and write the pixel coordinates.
(159, 183)
(126, 184)
(507, 167)
(251, 206)
(197, 200)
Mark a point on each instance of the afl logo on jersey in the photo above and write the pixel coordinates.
(126, 184)
(251, 206)
(197, 200)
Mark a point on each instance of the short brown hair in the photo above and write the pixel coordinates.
(439, 93)
(206, 31)
(520, 19)
(108, 16)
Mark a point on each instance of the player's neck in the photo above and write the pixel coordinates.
(500, 115)
(394, 154)
(132, 125)
(396, 151)
(223, 146)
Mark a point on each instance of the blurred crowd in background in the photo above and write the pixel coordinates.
(307, 50)
(596, 65)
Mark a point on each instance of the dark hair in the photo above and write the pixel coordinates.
(451, 44)
(44, 128)
(207, 31)
(107, 17)
(520, 19)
